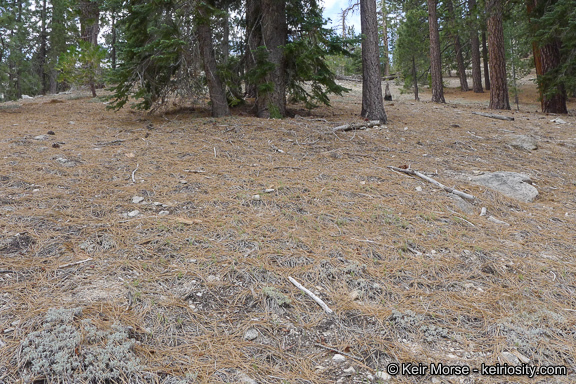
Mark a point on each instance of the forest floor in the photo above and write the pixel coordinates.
(157, 248)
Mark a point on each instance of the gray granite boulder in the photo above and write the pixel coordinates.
(515, 185)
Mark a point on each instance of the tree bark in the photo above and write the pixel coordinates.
(42, 50)
(215, 87)
(499, 90)
(90, 27)
(475, 49)
(272, 102)
(253, 41)
(546, 59)
(458, 47)
(372, 103)
(385, 39)
(485, 62)
(89, 20)
(435, 54)
(415, 76)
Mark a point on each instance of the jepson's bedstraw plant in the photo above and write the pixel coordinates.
(67, 350)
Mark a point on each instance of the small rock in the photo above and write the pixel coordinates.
(349, 371)
(522, 142)
(509, 358)
(137, 199)
(558, 121)
(338, 358)
(50, 133)
(256, 198)
(55, 145)
(319, 368)
(496, 221)
(36, 190)
(418, 189)
(383, 375)
(41, 137)
(251, 334)
(244, 378)
(71, 122)
(354, 295)
(134, 213)
(163, 213)
(483, 211)
(157, 203)
(269, 190)
(183, 182)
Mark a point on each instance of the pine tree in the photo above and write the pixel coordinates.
(372, 103)
(435, 54)
(499, 82)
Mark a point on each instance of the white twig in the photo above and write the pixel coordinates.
(313, 296)
(214, 152)
(432, 181)
(74, 263)
(134, 172)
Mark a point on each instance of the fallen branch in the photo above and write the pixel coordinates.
(356, 126)
(313, 296)
(492, 116)
(74, 263)
(436, 183)
(113, 142)
(194, 171)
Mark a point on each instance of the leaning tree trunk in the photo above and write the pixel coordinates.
(547, 58)
(215, 87)
(272, 102)
(499, 90)
(435, 55)
(372, 103)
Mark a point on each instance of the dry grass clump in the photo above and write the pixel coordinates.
(169, 293)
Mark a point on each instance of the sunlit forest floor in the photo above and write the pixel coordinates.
(157, 248)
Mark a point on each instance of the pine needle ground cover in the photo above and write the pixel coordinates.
(157, 249)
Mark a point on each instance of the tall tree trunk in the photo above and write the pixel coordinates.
(42, 50)
(226, 38)
(415, 76)
(90, 27)
(435, 54)
(499, 89)
(385, 39)
(372, 103)
(457, 47)
(547, 58)
(89, 20)
(485, 62)
(215, 87)
(253, 41)
(272, 102)
(475, 48)
(113, 53)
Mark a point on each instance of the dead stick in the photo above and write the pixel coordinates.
(313, 296)
(432, 181)
(492, 116)
(74, 263)
(133, 172)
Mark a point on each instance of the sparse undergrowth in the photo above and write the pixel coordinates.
(150, 249)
